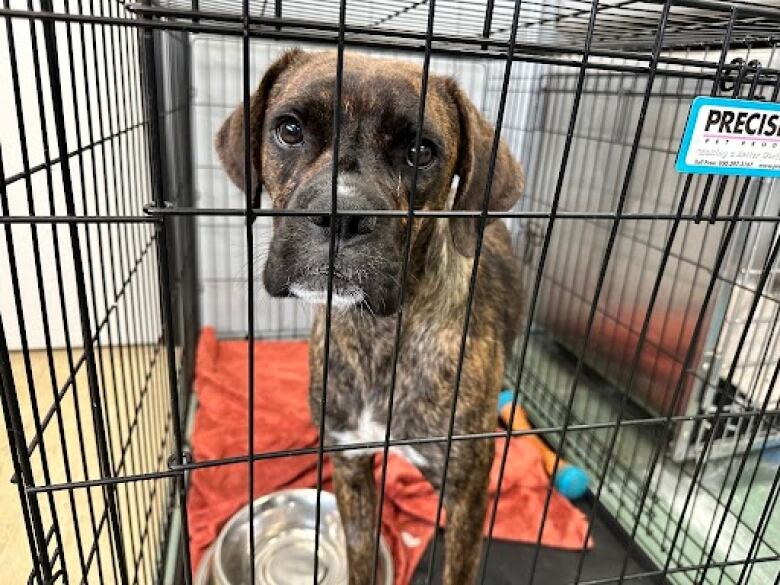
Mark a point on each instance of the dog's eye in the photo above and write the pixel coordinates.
(290, 132)
(424, 158)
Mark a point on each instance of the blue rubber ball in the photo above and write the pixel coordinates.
(572, 482)
(504, 398)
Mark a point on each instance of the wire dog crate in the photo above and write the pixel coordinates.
(650, 356)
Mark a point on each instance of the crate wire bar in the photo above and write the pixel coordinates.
(650, 350)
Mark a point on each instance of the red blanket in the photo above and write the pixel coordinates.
(282, 421)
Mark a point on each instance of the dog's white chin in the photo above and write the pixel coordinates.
(340, 300)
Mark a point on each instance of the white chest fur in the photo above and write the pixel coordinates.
(370, 431)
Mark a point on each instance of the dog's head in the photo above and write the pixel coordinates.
(291, 152)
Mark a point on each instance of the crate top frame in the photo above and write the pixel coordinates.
(622, 39)
(629, 25)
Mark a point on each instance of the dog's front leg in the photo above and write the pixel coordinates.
(353, 480)
(465, 500)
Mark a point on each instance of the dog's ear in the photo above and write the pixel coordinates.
(229, 141)
(475, 144)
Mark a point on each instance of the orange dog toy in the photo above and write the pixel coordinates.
(571, 481)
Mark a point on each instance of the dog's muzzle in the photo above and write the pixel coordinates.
(365, 255)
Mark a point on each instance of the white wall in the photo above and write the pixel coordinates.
(116, 184)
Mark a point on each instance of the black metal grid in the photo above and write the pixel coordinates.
(99, 296)
(111, 91)
(620, 23)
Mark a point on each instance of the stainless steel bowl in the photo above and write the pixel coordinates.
(203, 575)
(284, 544)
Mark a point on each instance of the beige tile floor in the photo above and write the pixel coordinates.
(14, 554)
(15, 561)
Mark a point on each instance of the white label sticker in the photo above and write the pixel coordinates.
(731, 137)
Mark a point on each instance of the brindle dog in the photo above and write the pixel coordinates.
(291, 127)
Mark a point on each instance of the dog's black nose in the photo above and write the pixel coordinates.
(347, 226)
(349, 223)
